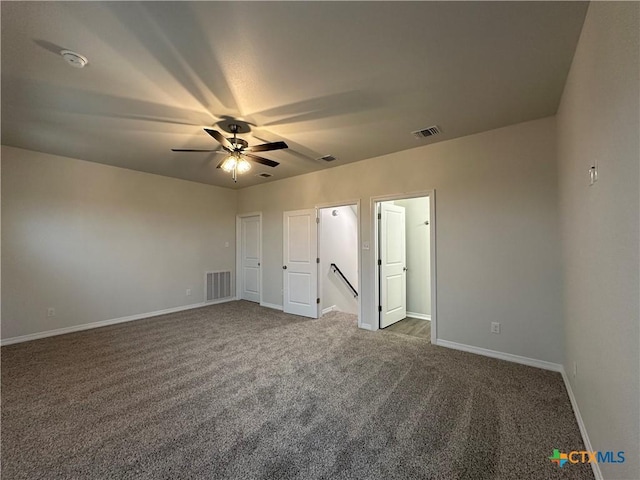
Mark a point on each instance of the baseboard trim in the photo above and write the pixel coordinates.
(366, 326)
(105, 323)
(583, 429)
(509, 357)
(329, 309)
(271, 305)
(419, 316)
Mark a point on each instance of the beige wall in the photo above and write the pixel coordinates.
(497, 231)
(598, 120)
(97, 242)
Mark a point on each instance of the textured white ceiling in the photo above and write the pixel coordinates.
(351, 79)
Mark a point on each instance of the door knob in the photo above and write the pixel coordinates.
(284, 267)
(258, 263)
(404, 269)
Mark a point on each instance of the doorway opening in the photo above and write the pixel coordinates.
(320, 246)
(338, 272)
(405, 264)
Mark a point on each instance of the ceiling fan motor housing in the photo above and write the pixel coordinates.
(239, 143)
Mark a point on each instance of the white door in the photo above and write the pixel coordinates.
(393, 272)
(250, 258)
(300, 270)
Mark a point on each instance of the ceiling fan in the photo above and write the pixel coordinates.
(237, 151)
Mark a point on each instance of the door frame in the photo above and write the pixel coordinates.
(239, 218)
(432, 254)
(345, 203)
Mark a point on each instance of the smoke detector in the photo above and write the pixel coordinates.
(74, 59)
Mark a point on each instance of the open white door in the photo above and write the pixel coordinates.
(250, 258)
(300, 268)
(393, 276)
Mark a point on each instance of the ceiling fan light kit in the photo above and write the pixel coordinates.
(243, 166)
(237, 160)
(229, 164)
(235, 165)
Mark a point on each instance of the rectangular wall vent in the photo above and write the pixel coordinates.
(218, 285)
(327, 158)
(427, 132)
(264, 175)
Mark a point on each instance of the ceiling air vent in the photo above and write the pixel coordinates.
(264, 175)
(327, 158)
(427, 132)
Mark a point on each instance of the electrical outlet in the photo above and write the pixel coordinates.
(495, 327)
(188, 292)
(51, 312)
(226, 244)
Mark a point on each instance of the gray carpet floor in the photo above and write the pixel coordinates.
(243, 392)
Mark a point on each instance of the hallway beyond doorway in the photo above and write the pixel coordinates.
(338, 279)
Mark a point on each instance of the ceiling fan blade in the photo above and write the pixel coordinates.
(220, 138)
(261, 161)
(192, 150)
(265, 147)
(220, 164)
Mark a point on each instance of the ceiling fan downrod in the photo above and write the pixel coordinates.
(234, 129)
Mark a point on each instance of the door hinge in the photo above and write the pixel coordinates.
(317, 260)
(379, 308)
(317, 219)
(318, 301)
(379, 216)
(379, 262)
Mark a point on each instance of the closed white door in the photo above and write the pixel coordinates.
(393, 272)
(250, 258)
(300, 267)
